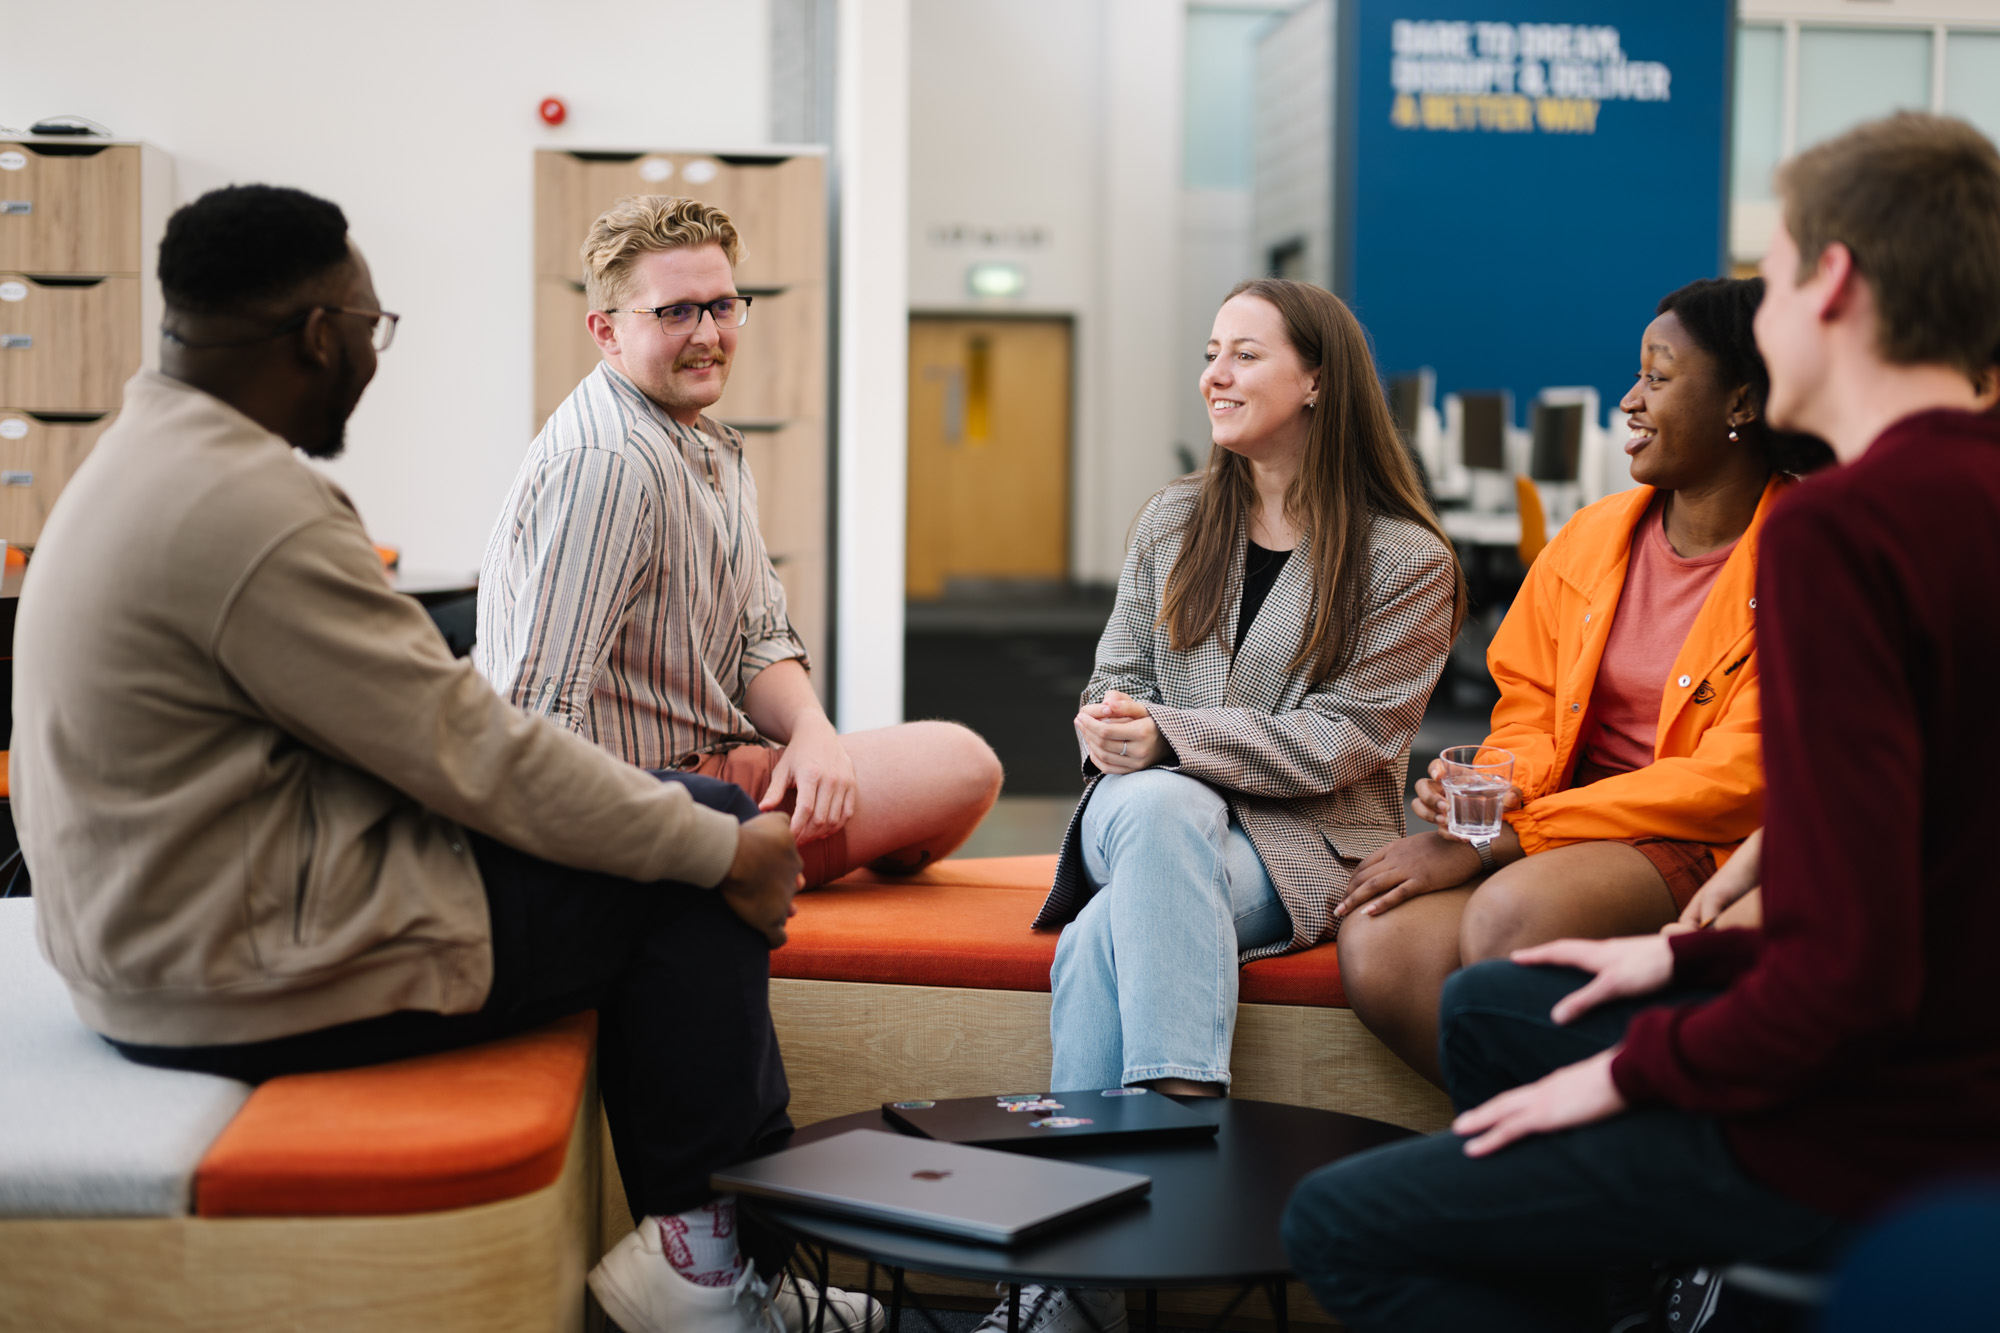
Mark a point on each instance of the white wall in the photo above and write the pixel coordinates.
(1048, 132)
(872, 122)
(419, 120)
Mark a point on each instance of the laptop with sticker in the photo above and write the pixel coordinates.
(1034, 1121)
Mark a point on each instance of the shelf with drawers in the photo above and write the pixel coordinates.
(80, 221)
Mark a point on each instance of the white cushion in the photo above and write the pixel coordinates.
(83, 1131)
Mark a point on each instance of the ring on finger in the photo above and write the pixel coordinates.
(1122, 747)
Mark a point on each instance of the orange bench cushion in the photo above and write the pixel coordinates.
(442, 1131)
(965, 923)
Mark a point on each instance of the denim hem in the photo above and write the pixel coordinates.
(1176, 1071)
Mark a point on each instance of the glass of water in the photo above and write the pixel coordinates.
(1476, 781)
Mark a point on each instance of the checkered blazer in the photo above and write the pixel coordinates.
(1313, 773)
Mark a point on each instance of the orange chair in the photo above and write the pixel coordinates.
(1534, 520)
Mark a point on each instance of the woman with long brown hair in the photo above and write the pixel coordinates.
(1281, 619)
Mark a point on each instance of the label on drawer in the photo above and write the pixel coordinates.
(655, 169)
(17, 478)
(13, 428)
(698, 172)
(19, 208)
(12, 161)
(13, 291)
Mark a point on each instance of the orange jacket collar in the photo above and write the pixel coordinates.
(1595, 561)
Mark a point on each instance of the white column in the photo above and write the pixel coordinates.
(1132, 359)
(872, 143)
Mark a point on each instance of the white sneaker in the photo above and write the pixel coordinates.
(642, 1293)
(796, 1303)
(1062, 1310)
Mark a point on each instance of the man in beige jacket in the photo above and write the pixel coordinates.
(274, 826)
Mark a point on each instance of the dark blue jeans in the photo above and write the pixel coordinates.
(687, 1058)
(1417, 1236)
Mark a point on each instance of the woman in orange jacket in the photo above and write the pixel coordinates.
(1627, 670)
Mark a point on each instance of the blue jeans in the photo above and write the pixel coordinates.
(1145, 977)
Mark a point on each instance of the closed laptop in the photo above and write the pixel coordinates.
(900, 1180)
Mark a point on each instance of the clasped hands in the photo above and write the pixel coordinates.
(1120, 735)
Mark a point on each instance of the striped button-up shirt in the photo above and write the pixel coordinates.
(626, 591)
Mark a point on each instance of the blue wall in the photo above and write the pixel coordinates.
(1514, 196)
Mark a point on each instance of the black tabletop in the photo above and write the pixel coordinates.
(1212, 1216)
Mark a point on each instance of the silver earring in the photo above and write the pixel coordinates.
(1312, 402)
(1732, 434)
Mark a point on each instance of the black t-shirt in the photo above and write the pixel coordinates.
(1260, 572)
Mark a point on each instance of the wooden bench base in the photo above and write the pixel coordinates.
(850, 1046)
(510, 1267)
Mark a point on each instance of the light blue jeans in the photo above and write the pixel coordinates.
(1145, 977)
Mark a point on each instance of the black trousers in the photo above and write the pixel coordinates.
(1417, 1236)
(688, 1061)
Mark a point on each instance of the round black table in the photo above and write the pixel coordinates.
(1211, 1219)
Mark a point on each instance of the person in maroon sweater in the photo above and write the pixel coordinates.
(1726, 1095)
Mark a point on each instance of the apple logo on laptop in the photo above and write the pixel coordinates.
(928, 1175)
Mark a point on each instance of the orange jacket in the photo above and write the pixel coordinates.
(1706, 781)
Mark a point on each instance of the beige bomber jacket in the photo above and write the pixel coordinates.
(243, 767)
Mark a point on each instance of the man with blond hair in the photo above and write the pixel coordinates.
(1724, 1095)
(627, 594)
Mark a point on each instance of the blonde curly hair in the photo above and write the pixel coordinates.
(641, 225)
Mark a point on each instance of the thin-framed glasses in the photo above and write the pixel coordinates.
(384, 331)
(729, 312)
(382, 334)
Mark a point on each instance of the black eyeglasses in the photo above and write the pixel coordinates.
(382, 334)
(730, 312)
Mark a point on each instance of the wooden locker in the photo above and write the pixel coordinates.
(776, 378)
(777, 203)
(564, 350)
(790, 467)
(70, 207)
(67, 343)
(39, 453)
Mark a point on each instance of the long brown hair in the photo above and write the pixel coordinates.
(1354, 469)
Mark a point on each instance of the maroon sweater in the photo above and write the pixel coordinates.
(1856, 1051)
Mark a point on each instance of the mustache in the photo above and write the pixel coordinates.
(686, 359)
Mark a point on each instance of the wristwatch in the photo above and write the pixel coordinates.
(1484, 846)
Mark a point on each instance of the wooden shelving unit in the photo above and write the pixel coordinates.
(777, 394)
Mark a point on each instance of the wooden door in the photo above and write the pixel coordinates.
(989, 451)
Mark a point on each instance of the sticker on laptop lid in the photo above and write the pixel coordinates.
(913, 1106)
(1124, 1092)
(1006, 1097)
(1062, 1122)
(1042, 1107)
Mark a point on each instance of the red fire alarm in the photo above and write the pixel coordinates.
(553, 111)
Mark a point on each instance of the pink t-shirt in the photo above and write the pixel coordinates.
(1663, 594)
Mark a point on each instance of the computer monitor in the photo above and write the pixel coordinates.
(1409, 395)
(1556, 432)
(1483, 429)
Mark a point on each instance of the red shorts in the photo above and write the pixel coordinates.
(1685, 866)
(750, 767)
